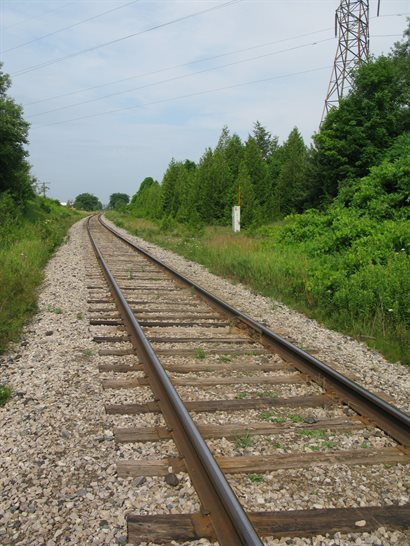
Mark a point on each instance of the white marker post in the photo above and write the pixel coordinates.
(236, 219)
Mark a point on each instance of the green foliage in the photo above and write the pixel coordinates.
(14, 169)
(28, 236)
(244, 441)
(200, 354)
(256, 478)
(290, 191)
(5, 394)
(87, 201)
(147, 202)
(118, 201)
(354, 136)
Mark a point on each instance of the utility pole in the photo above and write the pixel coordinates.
(352, 30)
(43, 188)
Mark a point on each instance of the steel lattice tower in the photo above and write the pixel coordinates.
(352, 29)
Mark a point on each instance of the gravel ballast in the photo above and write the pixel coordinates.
(58, 483)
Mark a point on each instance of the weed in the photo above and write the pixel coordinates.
(329, 444)
(130, 274)
(244, 441)
(256, 478)
(278, 445)
(52, 309)
(225, 358)
(365, 445)
(5, 394)
(296, 418)
(241, 395)
(88, 353)
(271, 417)
(80, 316)
(200, 353)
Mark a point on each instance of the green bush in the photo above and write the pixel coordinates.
(27, 239)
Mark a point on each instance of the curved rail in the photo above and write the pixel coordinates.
(231, 524)
(386, 416)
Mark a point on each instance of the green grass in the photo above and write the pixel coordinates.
(244, 441)
(5, 394)
(256, 478)
(352, 280)
(241, 395)
(314, 433)
(27, 240)
(296, 418)
(271, 416)
(200, 354)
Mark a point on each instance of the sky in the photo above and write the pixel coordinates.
(113, 89)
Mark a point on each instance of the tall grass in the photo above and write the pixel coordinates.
(27, 239)
(368, 302)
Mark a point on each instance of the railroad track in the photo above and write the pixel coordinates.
(229, 391)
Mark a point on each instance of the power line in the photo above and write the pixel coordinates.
(183, 65)
(250, 59)
(204, 59)
(122, 38)
(70, 26)
(180, 97)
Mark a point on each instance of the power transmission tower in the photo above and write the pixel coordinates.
(352, 29)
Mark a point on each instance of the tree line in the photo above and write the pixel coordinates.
(275, 180)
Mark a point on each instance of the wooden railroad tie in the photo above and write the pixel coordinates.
(163, 528)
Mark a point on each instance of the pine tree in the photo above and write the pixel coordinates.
(258, 172)
(266, 143)
(291, 188)
(250, 211)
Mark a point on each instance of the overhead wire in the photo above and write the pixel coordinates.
(182, 65)
(180, 97)
(122, 38)
(180, 77)
(98, 15)
(197, 61)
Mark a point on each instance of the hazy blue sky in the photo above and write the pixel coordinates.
(91, 134)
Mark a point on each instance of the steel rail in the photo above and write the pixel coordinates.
(231, 525)
(389, 418)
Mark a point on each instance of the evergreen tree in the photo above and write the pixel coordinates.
(234, 152)
(187, 190)
(266, 143)
(258, 172)
(147, 201)
(170, 190)
(250, 210)
(291, 189)
(214, 180)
